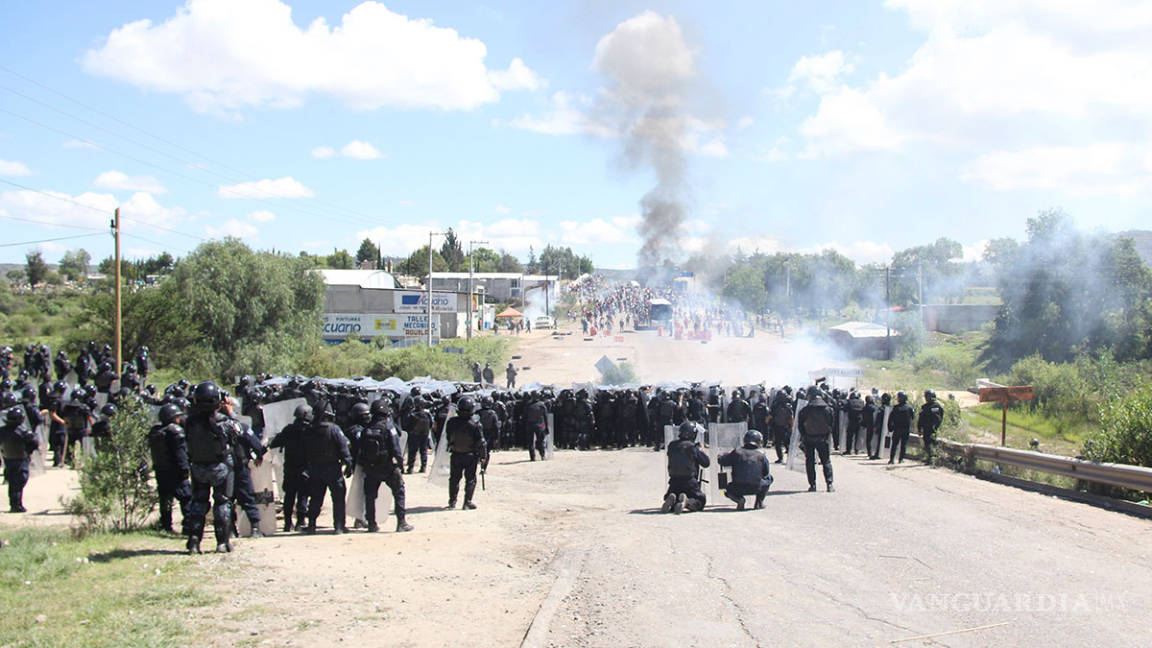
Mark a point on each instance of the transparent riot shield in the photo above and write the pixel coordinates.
(264, 488)
(277, 416)
(795, 462)
(38, 464)
(549, 441)
(441, 469)
(724, 438)
(885, 435)
(101, 400)
(354, 500)
(842, 428)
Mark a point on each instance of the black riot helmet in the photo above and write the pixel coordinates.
(901, 397)
(109, 410)
(466, 407)
(169, 413)
(687, 431)
(929, 395)
(360, 413)
(206, 397)
(15, 416)
(8, 399)
(303, 413)
(753, 438)
(381, 408)
(486, 402)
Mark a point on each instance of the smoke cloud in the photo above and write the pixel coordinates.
(650, 68)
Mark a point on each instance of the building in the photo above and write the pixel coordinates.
(371, 304)
(863, 339)
(501, 287)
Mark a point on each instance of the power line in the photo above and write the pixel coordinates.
(60, 238)
(51, 224)
(51, 195)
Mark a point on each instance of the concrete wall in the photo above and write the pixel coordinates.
(353, 299)
(958, 318)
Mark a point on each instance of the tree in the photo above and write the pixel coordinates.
(15, 276)
(508, 263)
(452, 252)
(368, 252)
(416, 265)
(339, 260)
(74, 265)
(485, 260)
(35, 268)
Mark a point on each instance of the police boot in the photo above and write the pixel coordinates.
(402, 526)
(311, 528)
(256, 532)
(287, 522)
(469, 490)
(735, 498)
(669, 502)
(452, 492)
(759, 502)
(224, 547)
(193, 544)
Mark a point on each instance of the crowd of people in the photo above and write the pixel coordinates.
(607, 306)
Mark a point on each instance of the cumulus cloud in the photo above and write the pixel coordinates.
(858, 251)
(1036, 94)
(223, 56)
(117, 181)
(235, 228)
(87, 209)
(10, 168)
(286, 187)
(356, 149)
(599, 231)
(501, 209)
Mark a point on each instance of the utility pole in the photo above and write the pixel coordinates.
(888, 309)
(117, 334)
(471, 290)
(429, 286)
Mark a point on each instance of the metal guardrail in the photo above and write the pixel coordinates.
(1135, 478)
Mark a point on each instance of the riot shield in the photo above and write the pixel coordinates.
(264, 489)
(277, 416)
(885, 435)
(794, 461)
(38, 465)
(354, 500)
(842, 428)
(441, 468)
(549, 441)
(724, 437)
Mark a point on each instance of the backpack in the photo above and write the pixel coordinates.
(74, 417)
(819, 422)
(372, 449)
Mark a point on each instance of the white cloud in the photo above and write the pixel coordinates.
(744, 122)
(1104, 168)
(407, 203)
(511, 234)
(323, 152)
(598, 231)
(9, 168)
(715, 148)
(262, 216)
(286, 187)
(80, 144)
(974, 252)
(235, 228)
(858, 251)
(223, 55)
(565, 116)
(361, 150)
(822, 73)
(117, 181)
(501, 209)
(57, 208)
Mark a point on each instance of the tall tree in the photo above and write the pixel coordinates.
(74, 264)
(339, 260)
(368, 252)
(35, 269)
(453, 252)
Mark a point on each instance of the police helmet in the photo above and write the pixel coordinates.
(8, 399)
(753, 438)
(929, 395)
(813, 393)
(486, 402)
(60, 387)
(901, 397)
(15, 416)
(687, 431)
(303, 413)
(169, 413)
(108, 410)
(206, 397)
(466, 407)
(381, 408)
(360, 413)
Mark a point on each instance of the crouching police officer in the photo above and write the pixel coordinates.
(17, 443)
(749, 471)
(207, 433)
(170, 462)
(378, 452)
(685, 459)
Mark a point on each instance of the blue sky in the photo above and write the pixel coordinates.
(863, 126)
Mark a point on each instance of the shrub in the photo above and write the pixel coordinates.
(1126, 430)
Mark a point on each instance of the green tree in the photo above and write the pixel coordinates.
(339, 260)
(485, 260)
(35, 268)
(745, 285)
(368, 252)
(508, 263)
(74, 264)
(15, 276)
(453, 253)
(416, 265)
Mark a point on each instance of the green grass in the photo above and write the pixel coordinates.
(948, 362)
(1055, 435)
(116, 598)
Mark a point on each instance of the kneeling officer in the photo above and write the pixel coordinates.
(685, 459)
(749, 471)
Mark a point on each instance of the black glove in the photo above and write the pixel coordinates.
(348, 470)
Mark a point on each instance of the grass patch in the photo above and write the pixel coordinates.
(116, 598)
(1056, 435)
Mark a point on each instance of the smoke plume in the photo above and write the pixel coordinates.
(649, 68)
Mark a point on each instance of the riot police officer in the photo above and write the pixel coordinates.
(327, 450)
(378, 453)
(900, 425)
(489, 422)
(296, 487)
(816, 422)
(465, 441)
(17, 443)
(419, 425)
(208, 436)
(170, 463)
(536, 426)
(685, 459)
(750, 475)
(929, 421)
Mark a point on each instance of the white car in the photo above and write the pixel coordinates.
(544, 322)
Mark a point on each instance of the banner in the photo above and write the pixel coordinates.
(417, 302)
(338, 326)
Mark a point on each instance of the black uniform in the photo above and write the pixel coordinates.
(536, 427)
(327, 449)
(170, 463)
(929, 421)
(378, 453)
(900, 425)
(855, 412)
(780, 424)
(208, 438)
(17, 443)
(77, 419)
(465, 441)
(419, 425)
(296, 487)
(738, 410)
(750, 475)
(490, 424)
(685, 459)
(871, 418)
(816, 425)
(246, 446)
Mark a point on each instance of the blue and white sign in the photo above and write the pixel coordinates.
(339, 326)
(417, 302)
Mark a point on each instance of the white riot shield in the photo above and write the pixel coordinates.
(354, 501)
(794, 461)
(441, 469)
(154, 414)
(724, 438)
(88, 447)
(670, 434)
(71, 379)
(885, 435)
(264, 489)
(38, 464)
(549, 441)
(101, 400)
(842, 428)
(276, 417)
